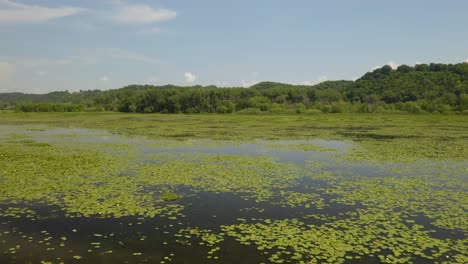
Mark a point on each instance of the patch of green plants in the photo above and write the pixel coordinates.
(250, 177)
(169, 196)
(383, 227)
(377, 136)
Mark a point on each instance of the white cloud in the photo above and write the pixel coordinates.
(7, 71)
(129, 55)
(314, 82)
(322, 78)
(190, 77)
(307, 83)
(393, 64)
(466, 60)
(12, 12)
(248, 83)
(222, 84)
(152, 80)
(143, 14)
(104, 78)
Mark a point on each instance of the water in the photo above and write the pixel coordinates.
(50, 236)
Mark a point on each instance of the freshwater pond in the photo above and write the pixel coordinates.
(76, 195)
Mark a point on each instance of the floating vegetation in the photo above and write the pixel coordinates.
(169, 196)
(17, 212)
(334, 242)
(207, 237)
(386, 194)
(251, 177)
(312, 146)
(293, 199)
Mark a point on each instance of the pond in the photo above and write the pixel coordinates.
(75, 195)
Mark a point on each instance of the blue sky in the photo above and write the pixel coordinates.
(70, 45)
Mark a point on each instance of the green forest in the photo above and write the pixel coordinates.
(423, 88)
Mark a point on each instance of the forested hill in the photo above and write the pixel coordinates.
(53, 97)
(413, 83)
(422, 88)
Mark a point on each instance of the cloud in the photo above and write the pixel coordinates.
(307, 83)
(314, 82)
(322, 78)
(252, 81)
(104, 78)
(12, 12)
(7, 71)
(143, 14)
(466, 60)
(393, 65)
(190, 77)
(129, 55)
(222, 84)
(248, 83)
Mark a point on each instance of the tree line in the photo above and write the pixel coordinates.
(432, 88)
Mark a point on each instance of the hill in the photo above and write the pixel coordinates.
(424, 87)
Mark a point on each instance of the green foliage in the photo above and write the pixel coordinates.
(226, 106)
(463, 102)
(169, 196)
(49, 107)
(299, 108)
(406, 83)
(433, 88)
(85, 97)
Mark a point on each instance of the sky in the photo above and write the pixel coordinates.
(77, 45)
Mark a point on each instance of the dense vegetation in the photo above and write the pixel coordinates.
(433, 88)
